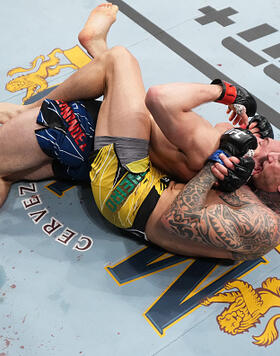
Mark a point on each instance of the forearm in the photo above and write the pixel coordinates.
(193, 197)
(180, 97)
(170, 106)
(190, 219)
(240, 225)
(189, 201)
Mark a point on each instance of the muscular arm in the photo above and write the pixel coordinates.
(241, 225)
(271, 200)
(171, 105)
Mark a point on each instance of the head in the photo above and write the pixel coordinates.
(266, 175)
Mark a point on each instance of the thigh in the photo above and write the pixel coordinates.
(19, 149)
(42, 172)
(123, 111)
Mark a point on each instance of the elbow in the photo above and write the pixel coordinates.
(160, 100)
(164, 224)
(242, 256)
(153, 98)
(257, 251)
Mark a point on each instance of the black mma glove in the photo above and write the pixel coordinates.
(235, 142)
(235, 94)
(263, 125)
(237, 177)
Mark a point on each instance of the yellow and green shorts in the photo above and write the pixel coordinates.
(125, 185)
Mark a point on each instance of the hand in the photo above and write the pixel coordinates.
(219, 170)
(238, 114)
(236, 177)
(253, 127)
(237, 142)
(260, 126)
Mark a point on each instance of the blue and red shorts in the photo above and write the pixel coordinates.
(67, 135)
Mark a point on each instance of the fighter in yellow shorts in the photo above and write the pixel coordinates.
(184, 216)
(125, 185)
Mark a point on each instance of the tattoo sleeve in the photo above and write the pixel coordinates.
(271, 200)
(240, 223)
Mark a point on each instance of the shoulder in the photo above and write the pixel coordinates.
(223, 126)
(241, 198)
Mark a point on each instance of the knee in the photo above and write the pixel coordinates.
(119, 54)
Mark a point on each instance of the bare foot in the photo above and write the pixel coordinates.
(93, 36)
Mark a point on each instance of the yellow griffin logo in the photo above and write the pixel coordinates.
(246, 308)
(35, 82)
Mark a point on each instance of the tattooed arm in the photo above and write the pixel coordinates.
(271, 200)
(240, 223)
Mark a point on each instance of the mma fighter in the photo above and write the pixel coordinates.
(136, 155)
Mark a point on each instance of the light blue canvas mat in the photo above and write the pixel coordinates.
(70, 284)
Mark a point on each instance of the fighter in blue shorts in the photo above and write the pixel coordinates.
(186, 218)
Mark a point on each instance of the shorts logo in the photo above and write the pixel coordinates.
(73, 125)
(123, 189)
(247, 306)
(35, 82)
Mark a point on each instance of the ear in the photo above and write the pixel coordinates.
(278, 189)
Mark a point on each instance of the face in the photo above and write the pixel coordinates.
(266, 175)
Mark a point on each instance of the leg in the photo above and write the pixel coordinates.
(93, 36)
(88, 82)
(116, 74)
(123, 111)
(19, 147)
(43, 172)
(8, 111)
(21, 157)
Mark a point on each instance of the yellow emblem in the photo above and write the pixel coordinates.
(35, 82)
(247, 306)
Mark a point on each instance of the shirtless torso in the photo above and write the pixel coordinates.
(188, 219)
(169, 158)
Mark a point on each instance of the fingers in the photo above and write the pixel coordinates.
(232, 116)
(216, 172)
(237, 120)
(253, 127)
(219, 170)
(237, 115)
(228, 161)
(232, 113)
(244, 119)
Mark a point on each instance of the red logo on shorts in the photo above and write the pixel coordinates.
(74, 126)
